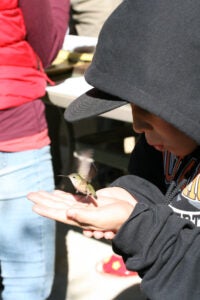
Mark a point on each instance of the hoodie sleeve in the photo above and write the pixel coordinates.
(46, 23)
(161, 246)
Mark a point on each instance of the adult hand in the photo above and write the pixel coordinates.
(114, 206)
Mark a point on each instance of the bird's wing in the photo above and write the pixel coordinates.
(85, 164)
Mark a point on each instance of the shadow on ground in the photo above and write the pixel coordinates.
(59, 290)
(131, 293)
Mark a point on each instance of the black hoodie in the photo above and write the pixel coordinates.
(161, 239)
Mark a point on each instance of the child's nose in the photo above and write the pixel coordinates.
(140, 120)
(140, 126)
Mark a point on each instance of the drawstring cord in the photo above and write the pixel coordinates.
(173, 190)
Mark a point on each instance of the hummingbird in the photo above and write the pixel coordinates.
(85, 172)
(82, 185)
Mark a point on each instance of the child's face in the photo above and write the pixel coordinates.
(160, 134)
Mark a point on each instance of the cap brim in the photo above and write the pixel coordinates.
(94, 102)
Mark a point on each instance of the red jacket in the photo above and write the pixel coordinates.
(22, 80)
(19, 63)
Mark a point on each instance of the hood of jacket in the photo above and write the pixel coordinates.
(148, 53)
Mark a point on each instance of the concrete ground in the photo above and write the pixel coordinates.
(76, 274)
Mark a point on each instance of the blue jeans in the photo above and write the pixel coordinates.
(27, 240)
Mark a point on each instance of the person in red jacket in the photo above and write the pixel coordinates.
(32, 32)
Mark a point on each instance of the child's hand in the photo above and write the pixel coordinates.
(114, 207)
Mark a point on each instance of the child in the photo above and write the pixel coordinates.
(148, 54)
